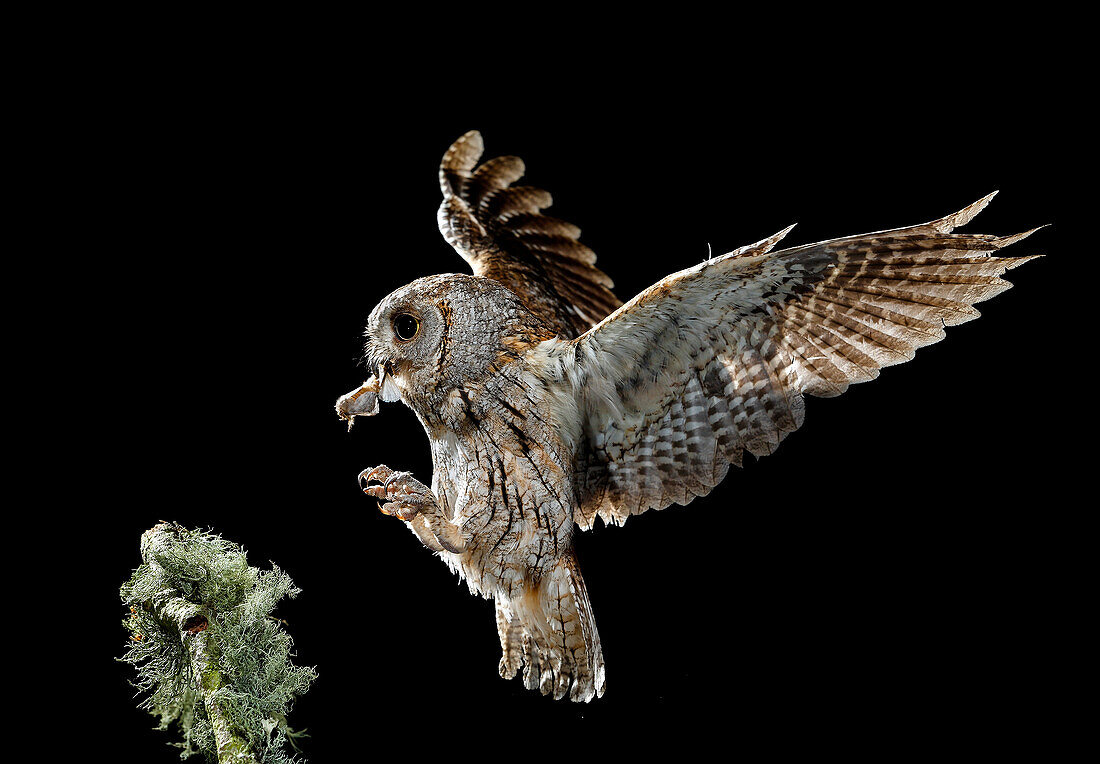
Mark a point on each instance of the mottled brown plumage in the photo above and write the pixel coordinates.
(547, 404)
(500, 231)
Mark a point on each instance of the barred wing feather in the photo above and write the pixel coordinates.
(499, 229)
(716, 360)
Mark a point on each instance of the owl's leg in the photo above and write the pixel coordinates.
(410, 500)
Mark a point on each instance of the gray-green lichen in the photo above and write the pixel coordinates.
(207, 650)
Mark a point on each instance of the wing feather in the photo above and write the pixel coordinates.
(716, 360)
(499, 229)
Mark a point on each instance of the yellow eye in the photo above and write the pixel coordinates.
(406, 327)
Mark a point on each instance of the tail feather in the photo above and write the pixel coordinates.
(551, 631)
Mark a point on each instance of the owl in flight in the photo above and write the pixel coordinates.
(548, 403)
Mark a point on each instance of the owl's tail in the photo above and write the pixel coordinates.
(551, 634)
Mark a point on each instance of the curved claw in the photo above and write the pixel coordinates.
(384, 490)
(402, 496)
(400, 511)
(393, 477)
(394, 496)
(381, 472)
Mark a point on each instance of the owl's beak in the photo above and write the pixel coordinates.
(363, 401)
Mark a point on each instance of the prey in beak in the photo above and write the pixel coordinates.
(363, 401)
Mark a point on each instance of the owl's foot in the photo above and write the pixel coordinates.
(403, 496)
(399, 493)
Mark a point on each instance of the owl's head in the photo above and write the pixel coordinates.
(443, 333)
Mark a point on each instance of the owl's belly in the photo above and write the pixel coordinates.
(516, 529)
(512, 499)
(505, 554)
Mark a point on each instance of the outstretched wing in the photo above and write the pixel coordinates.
(715, 360)
(500, 231)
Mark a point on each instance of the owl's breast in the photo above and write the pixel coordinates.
(505, 477)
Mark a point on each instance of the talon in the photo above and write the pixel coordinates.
(395, 497)
(369, 474)
(376, 491)
(393, 477)
(407, 514)
(401, 512)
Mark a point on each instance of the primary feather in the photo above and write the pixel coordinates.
(715, 360)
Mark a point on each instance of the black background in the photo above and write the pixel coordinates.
(887, 574)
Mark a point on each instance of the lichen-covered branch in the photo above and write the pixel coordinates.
(207, 649)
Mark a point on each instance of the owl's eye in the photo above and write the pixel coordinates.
(406, 327)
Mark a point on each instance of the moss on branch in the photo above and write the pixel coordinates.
(206, 649)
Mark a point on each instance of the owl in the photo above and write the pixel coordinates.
(549, 404)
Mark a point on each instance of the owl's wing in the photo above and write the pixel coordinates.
(715, 360)
(499, 230)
